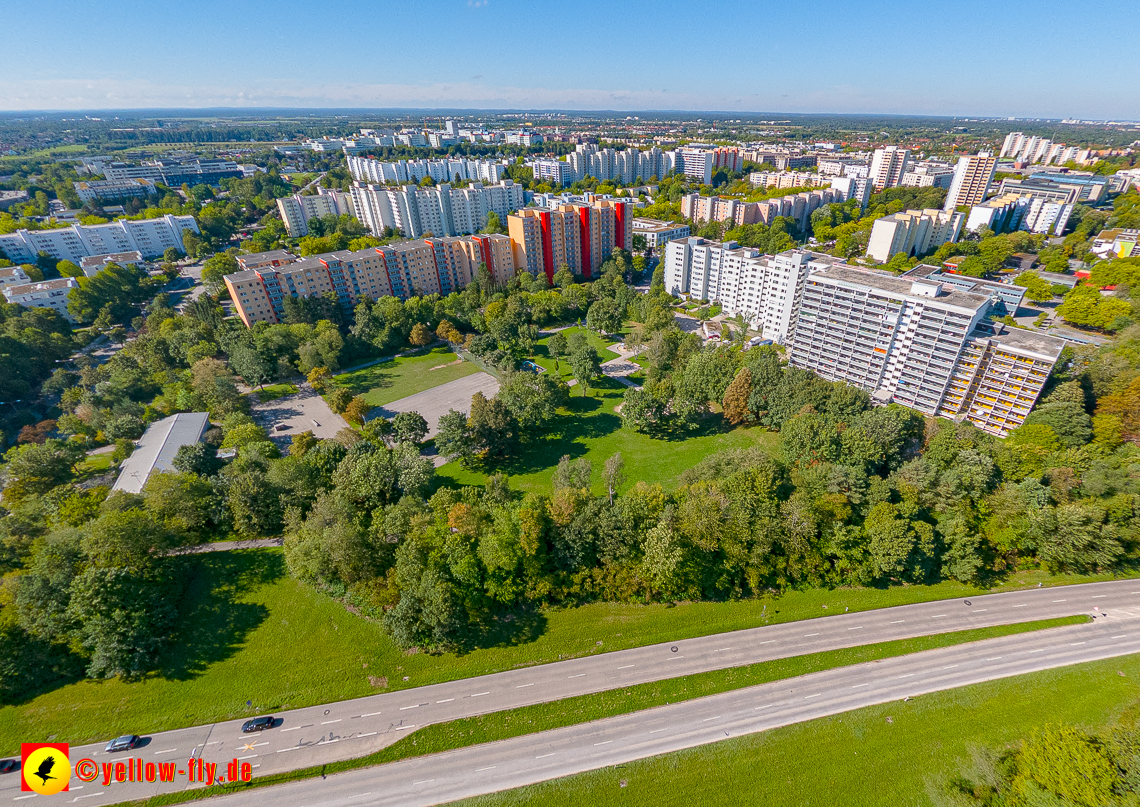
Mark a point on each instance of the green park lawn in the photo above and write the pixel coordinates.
(893, 753)
(271, 392)
(392, 380)
(589, 427)
(241, 621)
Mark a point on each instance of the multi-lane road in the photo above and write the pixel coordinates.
(322, 734)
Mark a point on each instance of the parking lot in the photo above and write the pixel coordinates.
(304, 411)
(435, 402)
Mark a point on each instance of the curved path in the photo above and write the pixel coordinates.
(336, 731)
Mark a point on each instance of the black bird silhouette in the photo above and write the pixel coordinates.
(45, 769)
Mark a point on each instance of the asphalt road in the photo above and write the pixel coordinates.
(434, 403)
(347, 729)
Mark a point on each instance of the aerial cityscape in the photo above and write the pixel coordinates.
(426, 418)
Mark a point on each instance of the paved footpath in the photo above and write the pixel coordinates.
(347, 729)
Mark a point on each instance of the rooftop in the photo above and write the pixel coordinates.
(43, 285)
(901, 286)
(1038, 345)
(158, 447)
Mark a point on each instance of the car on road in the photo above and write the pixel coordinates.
(257, 724)
(9, 765)
(124, 743)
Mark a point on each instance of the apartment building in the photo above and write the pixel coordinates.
(1118, 242)
(151, 237)
(913, 232)
(1067, 188)
(798, 207)
(446, 170)
(1032, 149)
(554, 171)
(971, 182)
(1018, 211)
(175, 173)
(843, 166)
(429, 266)
(43, 294)
(658, 233)
(696, 164)
(928, 174)
(297, 210)
(999, 376)
(13, 276)
(441, 210)
(93, 264)
(888, 165)
(100, 190)
(764, 289)
(786, 179)
(581, 236)
(263, 260)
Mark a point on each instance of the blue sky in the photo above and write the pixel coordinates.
(1044, 58)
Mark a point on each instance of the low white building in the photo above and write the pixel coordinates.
(13, 276)
(114, 189)
(43, 294)
(913, 232)
(157, 448)
(93, 264)
(151, 237)
(658, 233)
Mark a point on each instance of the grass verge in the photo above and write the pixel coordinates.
(271, 392)
(405, 375)
(571, 711)
(892, 753)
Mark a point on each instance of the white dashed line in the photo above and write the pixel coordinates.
(579, 675)
(1099, 596)
(445, 700)
(326, 722)
(283, 750)
(251, 756)
(937, 616)
(995, 658)
(404, 728)
(328, 742)
(861, 685)
(402, 709)
(950, 666)
(524, 686)
(765, 706)
(670, 658)
(907, 675)
(1023, 605)
(481, 694)
(422, 782)
(167, 751)
(979, 610)
(604, 742)
(897, 621)
(768, 641)
(1060, 600)
(627, 666)
(1121, 636)
(544, 756)
(1074, 644)
(486, 769)
(723, 649)
(809, 635)
(371, 714)
(297, 728)
(858, 627)
(1038, 650)
(816, 695)
(707, 719)
(656, 730)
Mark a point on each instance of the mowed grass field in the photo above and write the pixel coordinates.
(392, 380)
(248, 632)
(892, 754)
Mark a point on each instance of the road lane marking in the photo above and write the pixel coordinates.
(765, 706)
(1023, 605)
(657, 730)
(907, 675)
(1121, 636)
(707, 719)
(950, 666)
(368, 734)
(77, 798)
(524, 686)
(486, 769)
(326, 722)
(809, 635)
(251, 746)
(604, 742)
(1099, 596)
(21, 798)
(579, 675)
(937, 616)
(768, 641)
(402, 728)
(445, 700)
(1060, 600)
(1038, 650)
(423, 782)
(544, 756)
(670, 658)
(327, 742)
(858, 627)
(251, 756)
(283, 750)
(294, 728)
(816, 695)
(481, 694)
(897, 621)
(402, 709)
(861, 685)
(627, 666)
(167, 751)
(1074, 644)
(723, 649)
(371, 714)
(979, 610)
(995, 658)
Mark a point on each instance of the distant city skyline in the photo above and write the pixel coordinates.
(845, 57)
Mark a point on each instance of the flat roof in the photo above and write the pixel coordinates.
(42, 285)
(897, 285)
(1023, 341)
(157, 448)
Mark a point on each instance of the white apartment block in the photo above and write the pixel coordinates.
(913, 232)
(658, 233)
(972, 178)
(114, 189)
(402, 171)
(1018, 211)
(43, 294)
(763, 289)
(888, 166)
(296, 210)
(441, 210)
(696, 164)
(786, 179)
(151, 237)
(928, 174)
(13, 276)
(1031, 149)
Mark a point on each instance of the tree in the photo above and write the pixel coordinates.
(171, 255)
(572, 474)
(494, 224)
(531, 399)
(319, 378)
(494, 431)
(556, 345)
(642, 410)
(585, 364)
(448, 333)
(68, 269)
(1085, 305)
(614, 474)
(421, 336)
(114, 292)
(214, 271)
(197, 458)
(1037, 288)
(604, 316)
(1068, 420)
(250, 364)
(339, 399)
(735, 401)
(453, 439)
(36, 468)
(409, 427)
(357, 410)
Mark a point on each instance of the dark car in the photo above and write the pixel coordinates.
(124, 743)
(257, 724)
(8, 765)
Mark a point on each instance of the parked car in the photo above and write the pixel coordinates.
(257, 724)
(124, 743)
(9, 765)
